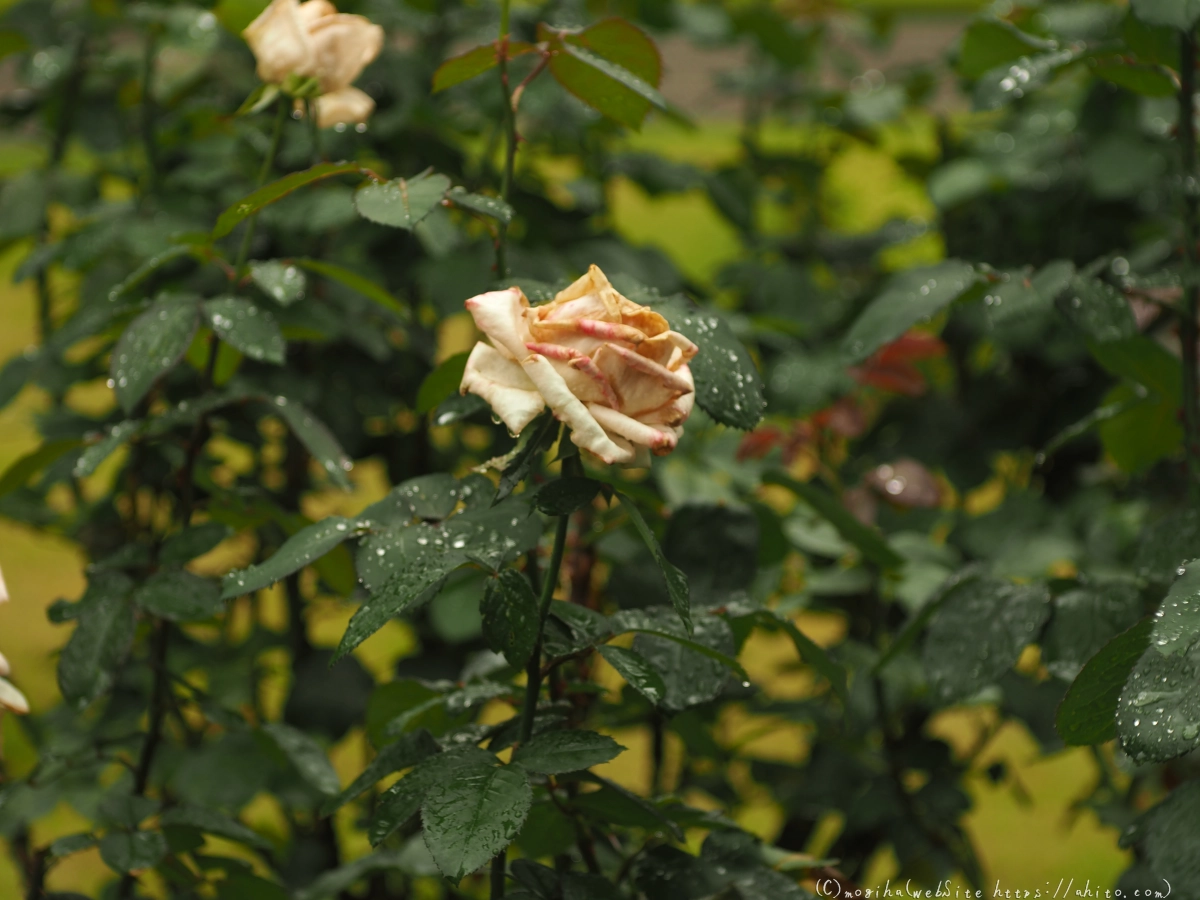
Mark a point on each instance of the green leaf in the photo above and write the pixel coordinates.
(1181, 14)
(492, 207)
(1084, 620)
(1144, 361)
(1087, 714)
(636, 670)
(614, 804)
(260, 98)
(146, 269)
(151, 346)
(1098, 310)
(566, 495)
(211, 822)
(810, 652)
(1149, 81)
(89, 661)
(193, 541)
(611, 66)
(1171, 841)
(473, 63)
(96, 453)
(1178, 620)
(179, 596)
(989, 42)
(430, 497)
(728, 386)
(555, 752)
(1007, 82)
(399, 565)
(911, 298)
(356, 282)
(301, 549)
(18, 474)
(1158, 713)
(441, 383)
(869, 541)
(401, 203)
(408, 750)
(306, 756)
(334, 883)
(1018, 298)
(694, 670)
(1167, 544)
(276, 190)
(244, 326)
(317, 439)
(677, 584)
(978, 634)
(511, 618)
(72, 843)
(133, 852)
(1143, 432)
(400, 802)
(281, 280)
(470, 818)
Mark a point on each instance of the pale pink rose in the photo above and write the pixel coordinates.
(611, 369)
(314, 40)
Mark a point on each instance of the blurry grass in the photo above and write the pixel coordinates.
(1024, 836)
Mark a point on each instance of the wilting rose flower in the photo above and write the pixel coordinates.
(10, 697)
(611, 369)
(314, 40)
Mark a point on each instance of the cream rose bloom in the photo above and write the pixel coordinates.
(314, 40)
(612, 370)
(10, 697)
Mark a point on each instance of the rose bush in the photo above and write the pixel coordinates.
(314, 40)
(611, 369)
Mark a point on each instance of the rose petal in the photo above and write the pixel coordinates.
(4, 667)
(312, 10)
(596, 293)
(504, 385)
(501, 316)
(599, 380)
(280, 42)
(635, 431)
(585, 430)
(11, 698)
(660, 373)
(349, 106)
(343, 45)
(3, 589)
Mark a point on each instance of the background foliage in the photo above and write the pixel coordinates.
(966, 515)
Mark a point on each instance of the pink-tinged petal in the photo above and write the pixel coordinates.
(4, 668)
(664, 376)
(12, 699)
(610, 331)
(659, 441)
(504, 385)
(588, 367)
(553, 351)
(585, 431)
(686, 347)
(280, 42)
(3, 589)
(594, 290)
(501, 316)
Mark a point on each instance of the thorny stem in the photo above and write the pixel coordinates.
(1189, 333)
(510, 147)
(264, 173)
